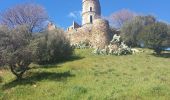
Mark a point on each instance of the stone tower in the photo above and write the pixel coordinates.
(91, 10)
(94, 29)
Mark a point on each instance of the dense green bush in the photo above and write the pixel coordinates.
(51, 47)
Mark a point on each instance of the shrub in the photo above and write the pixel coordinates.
(51, 47)
(116, 47)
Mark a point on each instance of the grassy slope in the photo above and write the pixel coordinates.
(141, 76)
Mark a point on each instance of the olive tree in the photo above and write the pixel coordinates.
(51, 47)
(132, 28)
(168, 37)
(15, 50)
(154, 35)
(4, 39)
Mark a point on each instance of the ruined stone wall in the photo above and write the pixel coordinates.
(101, 33)
(98, 34)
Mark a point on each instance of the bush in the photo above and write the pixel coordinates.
(116, 47)
(51, 47)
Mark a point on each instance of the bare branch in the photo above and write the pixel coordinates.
(31, 15)
(120, 17)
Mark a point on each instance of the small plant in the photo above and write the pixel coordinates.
(116, 47)
(82, 45)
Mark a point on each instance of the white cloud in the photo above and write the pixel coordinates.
(71, 14)
(75, 14)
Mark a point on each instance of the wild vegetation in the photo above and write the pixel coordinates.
(20, 46)
(146, 31)
(116, 47)
(94, 77)
(15, 51)
(51, 47)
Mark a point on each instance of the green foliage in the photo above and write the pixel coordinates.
(168, 29)
(3, 39)
(166, 43)
(51, 47)
(14, 49)
(132, 28)
(146, 31)
(19, 48)
(154, 35)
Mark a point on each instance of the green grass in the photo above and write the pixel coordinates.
(92, 77)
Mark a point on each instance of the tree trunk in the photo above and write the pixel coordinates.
(18, 75)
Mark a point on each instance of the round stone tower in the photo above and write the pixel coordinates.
(101, 33)
(91, 10)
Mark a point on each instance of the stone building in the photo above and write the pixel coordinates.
(51, 26)
(74, 26)
(91, 10)
(93, 29)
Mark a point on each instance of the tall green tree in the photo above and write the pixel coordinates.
(132, 28)
(154, 35)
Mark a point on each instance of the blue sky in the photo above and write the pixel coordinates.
(63, 12)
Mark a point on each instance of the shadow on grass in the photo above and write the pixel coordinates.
(34, 77)
(37, 77)
(164, 55)
(54, 65)
(0, 79)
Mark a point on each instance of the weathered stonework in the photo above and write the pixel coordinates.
(50, 26)
(91, 10)
(100, 33)
(94, 29)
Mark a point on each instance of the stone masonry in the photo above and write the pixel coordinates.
(94, 29)
(91, 10)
